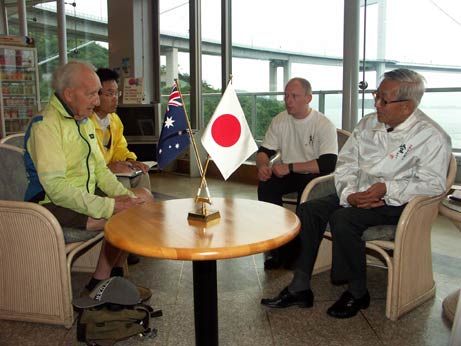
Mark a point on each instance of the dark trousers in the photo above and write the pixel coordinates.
(347, 226)
(272, 191)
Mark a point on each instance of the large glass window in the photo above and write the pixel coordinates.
(273, 42)
(174, 60)
(86, 22)
(421, 42)
(286, 41)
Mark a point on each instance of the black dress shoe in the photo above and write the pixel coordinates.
(347, 306)
(303, 299)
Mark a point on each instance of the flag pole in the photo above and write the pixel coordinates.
(192, 139)
(194, 145)
(201, 214)
(207, 159)
(203, 182)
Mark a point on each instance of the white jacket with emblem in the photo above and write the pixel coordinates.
(411, 160)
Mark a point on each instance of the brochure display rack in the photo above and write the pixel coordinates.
(19, 97)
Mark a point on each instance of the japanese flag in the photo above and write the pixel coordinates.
(227, 137)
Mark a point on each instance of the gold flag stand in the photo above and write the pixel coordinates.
(201, 213)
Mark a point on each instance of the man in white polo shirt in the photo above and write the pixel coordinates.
(307, 142)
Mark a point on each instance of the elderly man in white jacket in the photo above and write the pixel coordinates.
(393, 155)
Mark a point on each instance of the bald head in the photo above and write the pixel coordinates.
(78, 85)
(69, 75)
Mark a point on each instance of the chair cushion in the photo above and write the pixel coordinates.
(381, 232)
(13, 177)
(17, 140)
(322, 189)
(73, 235)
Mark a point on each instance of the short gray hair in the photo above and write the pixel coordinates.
(412, 84)
(304, 84)
(64, 76)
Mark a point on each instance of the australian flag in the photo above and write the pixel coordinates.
(174, 137)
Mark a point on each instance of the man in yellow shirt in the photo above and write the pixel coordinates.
(112, 142)
(109, 133)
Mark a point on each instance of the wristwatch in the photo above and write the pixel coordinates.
(290, 167)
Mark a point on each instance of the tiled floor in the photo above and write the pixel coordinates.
(243, 282)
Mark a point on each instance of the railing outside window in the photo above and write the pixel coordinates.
(442, 104)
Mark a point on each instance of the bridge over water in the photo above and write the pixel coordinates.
(95, 29)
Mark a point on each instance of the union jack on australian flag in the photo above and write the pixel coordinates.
(174, 137)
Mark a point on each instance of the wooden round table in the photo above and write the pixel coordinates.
(162, 230)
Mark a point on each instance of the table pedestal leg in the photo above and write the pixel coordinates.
(205, 303)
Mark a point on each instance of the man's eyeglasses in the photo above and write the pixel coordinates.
(110, 93)
(378, 97)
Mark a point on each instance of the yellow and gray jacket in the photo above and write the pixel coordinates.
(68, 164)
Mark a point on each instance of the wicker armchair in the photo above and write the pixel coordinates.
(16, 140)
(36, 254)
(405, 249)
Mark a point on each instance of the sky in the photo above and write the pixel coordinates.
(418, 31)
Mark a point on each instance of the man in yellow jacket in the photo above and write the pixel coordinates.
(112, 142)
(66, 167)
(109, 132)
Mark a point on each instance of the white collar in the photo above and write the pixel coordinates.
(104, 122)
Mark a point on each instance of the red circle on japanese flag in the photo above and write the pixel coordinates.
(226, 130)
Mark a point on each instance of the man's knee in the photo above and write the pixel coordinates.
(143, 193)
(311, 208)
(263, 190)
(95, 224)
(312, 220)
(346, 224)
(340, 216)
(304, 210)
(270, 191)
(142, 180)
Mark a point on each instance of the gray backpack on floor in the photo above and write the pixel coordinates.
(112, 312)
